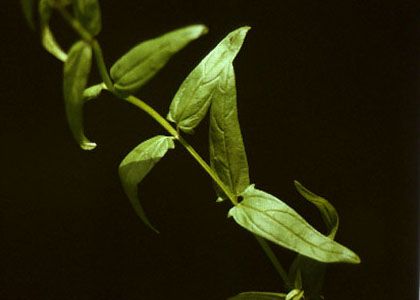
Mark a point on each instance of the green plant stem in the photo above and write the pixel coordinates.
(275, 262)
(101, 65)
(87, 37)
(84, 34)
(165, 124)
(75, 24)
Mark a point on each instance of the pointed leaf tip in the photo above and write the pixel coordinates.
(137, 164)
(192, 100)
(75, 76)
(227, 151)
(328, 212)
(48, 40)
(270, 218)
(140, 64)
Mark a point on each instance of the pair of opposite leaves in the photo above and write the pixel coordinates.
(212, 84)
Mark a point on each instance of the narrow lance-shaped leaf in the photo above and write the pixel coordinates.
(328, 212)
(192, 100)
(76, 73)
(227, 151)
(141, 63)
(137, 164)
(312, 271)
(270, 218)
(88, 13)
(28, 11)
(47, 38)
(259, 296)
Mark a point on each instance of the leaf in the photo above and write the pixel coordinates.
(192, 100)
(313, 272)
(145, 60)
(76, 73)
(328, 212)
(137, 164)
(93, 91)
(227, 151)
(28, 11)
(258, 296)
(47, 37)
(51, 45)
(295, 294)
(270, 218)
(88, 13)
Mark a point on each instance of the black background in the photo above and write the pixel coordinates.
(327, 94)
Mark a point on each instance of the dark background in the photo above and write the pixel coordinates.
(327, 94)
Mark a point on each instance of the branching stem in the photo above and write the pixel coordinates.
(165, 124)
(85, 35)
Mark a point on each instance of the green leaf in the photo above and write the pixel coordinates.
(313, 272)
(192, 100)
(328, 212)
(141, 63)
(227, 151)
(76, 73)
(50, 44)
(138, 163)
(93, 91)
(258, 296)
(47, 37)
(88, 12)
(295, 294)
(270, 218)
(28, 11)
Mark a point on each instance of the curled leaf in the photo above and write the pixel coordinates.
(312, 272)
(227, 151)
(192, 100)
(270, 218)
(141, 63)
(328, 212)
(137, 164)
(76, 73)
(50, 44)
(47, 37)
(88, 13)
